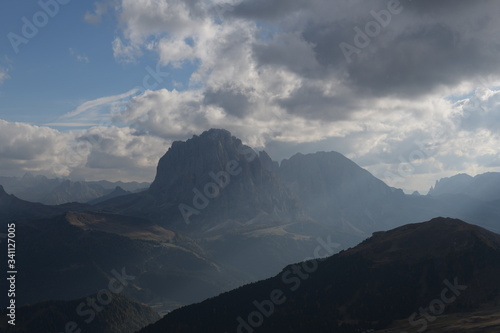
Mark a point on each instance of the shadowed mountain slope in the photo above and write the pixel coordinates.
(75, 254)
(116, 314)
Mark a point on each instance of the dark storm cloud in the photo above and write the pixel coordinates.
(233, 102)
(288, 51)
(419, 60)
(312, 100)
(268, 10)
(435, 6)
(429, 44)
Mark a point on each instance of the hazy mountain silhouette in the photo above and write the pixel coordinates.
(484, 187)
(13, 208)
(335, 190)
(390, 276)
(58, 191)
(117, 192)
(69, 191)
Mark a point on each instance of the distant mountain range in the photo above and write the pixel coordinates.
(60, 191)
(416, 273)
(484, 187)
(217, 215)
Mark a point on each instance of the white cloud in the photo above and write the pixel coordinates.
(95, 17)
(95, 153)
(3, 76)
(79, 57)
(125, 53)
(97, 105)
(25, 147)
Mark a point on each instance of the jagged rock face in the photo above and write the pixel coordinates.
(454, 185)
(215, 174)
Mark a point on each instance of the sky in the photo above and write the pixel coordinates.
(409, 90)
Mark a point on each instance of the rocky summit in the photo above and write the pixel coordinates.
(215, 176)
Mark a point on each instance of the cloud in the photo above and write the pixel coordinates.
(119, 153)
(480, 112)
(97, 104)
(95, 153)
(166, 114)
(25, 147)
(419, 50)
(3, 76)
(79, 57)
(95, 17)
(125, 53)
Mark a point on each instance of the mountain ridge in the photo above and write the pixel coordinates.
(485, 186)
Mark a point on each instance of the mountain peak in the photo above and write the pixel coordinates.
(435, 238)
(215, 170)
(2, 191)
(186, 161)
(328, 183)
(483, 186)
(215, 133)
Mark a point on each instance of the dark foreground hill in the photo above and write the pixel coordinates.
(413, 273)
(114, 314)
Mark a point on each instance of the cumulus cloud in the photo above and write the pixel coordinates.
(95, 153)
(33, 148)
(118, 153)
